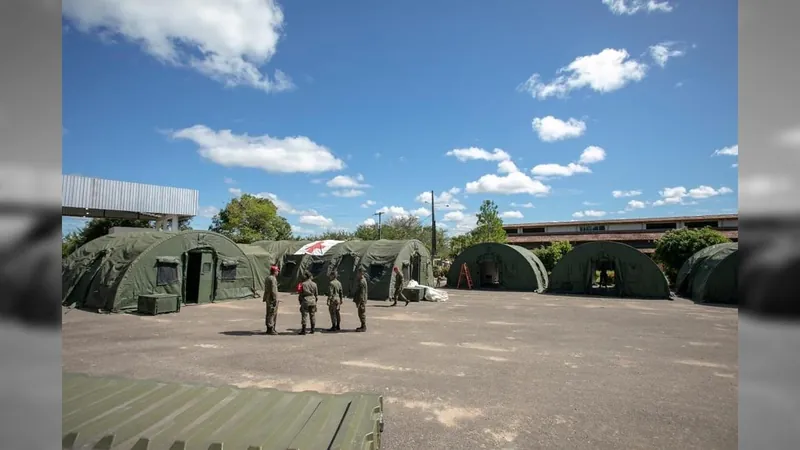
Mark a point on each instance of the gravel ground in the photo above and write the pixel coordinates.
(494, 370)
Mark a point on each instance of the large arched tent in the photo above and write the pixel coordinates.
(634, 273)
(711, 275)
(342, 258)
(308, 258)
(260, 261)
(501, 266)
(110, 272)
(283, 252)
(379, 257)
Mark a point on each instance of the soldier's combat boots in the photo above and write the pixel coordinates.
(303, 331)
(362, 328)
(271, 331)
(394, 303)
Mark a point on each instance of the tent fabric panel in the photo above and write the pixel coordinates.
(260, 262)
(333, 258)
(636, 274)
(687, 267)
(386, 254)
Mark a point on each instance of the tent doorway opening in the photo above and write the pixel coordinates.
(604, 278)
(199, 280)
(346, 272)
(416, 263)
(490, 276)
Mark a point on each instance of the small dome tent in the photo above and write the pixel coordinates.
(379, 257)
(502, 266)
(635, 274)
(260, 261)
(110, 272)
(711, 275)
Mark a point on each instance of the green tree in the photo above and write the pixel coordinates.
(337, 235)
(96, 228)
(552, 254)
(676, 246)
(404, 228)
(249, 218)
(460, 243)
(489, 227)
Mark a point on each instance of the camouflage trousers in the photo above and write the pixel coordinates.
(334, 310)
(398, 295)
(361, 307)
(308, 313)
(272, 314)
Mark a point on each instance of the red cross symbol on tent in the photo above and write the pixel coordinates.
(319, 245)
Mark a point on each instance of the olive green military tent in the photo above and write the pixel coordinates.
(260, 261)
(711, 275)
(499, 266)
(284, 254)
(634, 273)
(341, 259)
(110, 272)
(378, 259)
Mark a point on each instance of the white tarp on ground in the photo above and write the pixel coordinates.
(431, 294)
(317, 248)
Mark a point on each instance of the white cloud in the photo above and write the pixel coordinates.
(475, 154)
(551, 129)
(522, 205)
(513, 182)
(620, 194)
(590, 204)
(444, 201)
(208, 211)
(677, 195)
(348, 193)
(370, 222)
(635, 204)
(557, 170)
(733, 150)
(394, 211)
(421, 212)
(283, 206)
(603, 72)
(664, 51)
(229, 180)
(346, 182)
(592, 154)
(277, 155)
(588, 213)
(301, 230)
(511, 215)
(368, 203)
(236, 192)
(630, 7)
(454, 216)
(735, 165)
(227, 41)
(316, 220)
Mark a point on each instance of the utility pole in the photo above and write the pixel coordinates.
(433, 227)
(379, 214)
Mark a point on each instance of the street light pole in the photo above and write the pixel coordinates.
(433, 227)
(379, 214)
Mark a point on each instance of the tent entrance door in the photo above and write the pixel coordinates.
(81, 292)
(416, 263)
(199, 277)
(603, 278)
(490, 275)
(346, 271)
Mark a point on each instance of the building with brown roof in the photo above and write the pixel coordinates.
(638, 233)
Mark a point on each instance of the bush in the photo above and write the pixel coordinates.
(676, 246)
(552, 254)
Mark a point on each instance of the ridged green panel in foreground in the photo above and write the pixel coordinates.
(118, 414)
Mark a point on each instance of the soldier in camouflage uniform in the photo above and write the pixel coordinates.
(335, 302)
(308, 302)
(271, 299)
(399, 284)
(360, 298)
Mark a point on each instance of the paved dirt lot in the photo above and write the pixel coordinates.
(484, 370)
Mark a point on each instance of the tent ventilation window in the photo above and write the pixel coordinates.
(166, 271)
(316, 268)
(228, 270)
(376, 271)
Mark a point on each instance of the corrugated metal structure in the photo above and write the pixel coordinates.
(116, 414)
(96, 197)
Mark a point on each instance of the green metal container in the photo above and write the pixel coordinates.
(415, 294)
(118, 414)
(154, 304)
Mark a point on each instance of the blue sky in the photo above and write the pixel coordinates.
(547, 108)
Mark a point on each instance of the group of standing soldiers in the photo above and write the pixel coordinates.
(307, 297)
